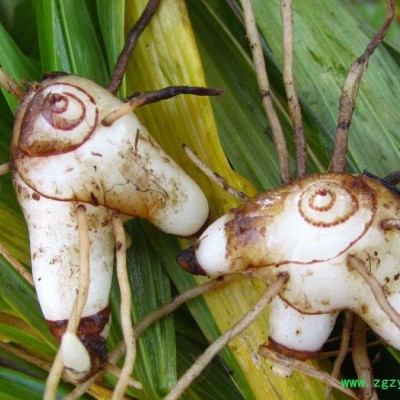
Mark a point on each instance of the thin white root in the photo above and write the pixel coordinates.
(84, 268)
(344, 347)
(11, 86)
(50, 391)
(263, 83)
(218, 179)
(361, 361)
(161, 312)
(290, 88)
(80, 301)
(182, 298)
(376, 288)
(304, 368)
(113, 369)
(81, 389)
(330, 354)
(126, 323)
(124, 109)
(16, 264)
(4, 169)
(194, 371)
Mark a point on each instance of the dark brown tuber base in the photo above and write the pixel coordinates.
(187, 260)
(89, 332)
(297, 354)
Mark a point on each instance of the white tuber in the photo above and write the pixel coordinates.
(309, 229)
(63, 156)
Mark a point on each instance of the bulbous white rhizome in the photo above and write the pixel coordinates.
(309, 229)
(62, 157)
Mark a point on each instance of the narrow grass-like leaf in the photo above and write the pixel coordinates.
(69, 41)
(15, 63)
(15, 386)
(242, 124)
(26, 381)
(112, 24)
(151, 288)
(18, 294)
(238, 109)
(22, 337)
(13, 232)
(324, 53)
(213, 384)
(374, 13)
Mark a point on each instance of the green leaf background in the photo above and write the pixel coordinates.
(197, 42)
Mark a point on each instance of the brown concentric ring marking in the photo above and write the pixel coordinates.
(52, 111)
(326, 204)
(64, 133)
(323, 193)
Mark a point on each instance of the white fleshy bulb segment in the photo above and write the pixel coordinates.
(310, 230)
(302, 333)
(75, 357)
(54, 246)
(211, 248)
(119, 166)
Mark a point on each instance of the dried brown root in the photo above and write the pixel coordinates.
(263, 83)
(11, 86)
(376, 288)
(290, 88)
(161, 312)
(126, 323)
(304, 368)
(80, 301)
(393, 178)
(16, 264)
(218, 179)
(361, 361)
(330, 354)
(133, 36)
(343, 349)
(141, 99)
(349, 93)
(194, 371)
